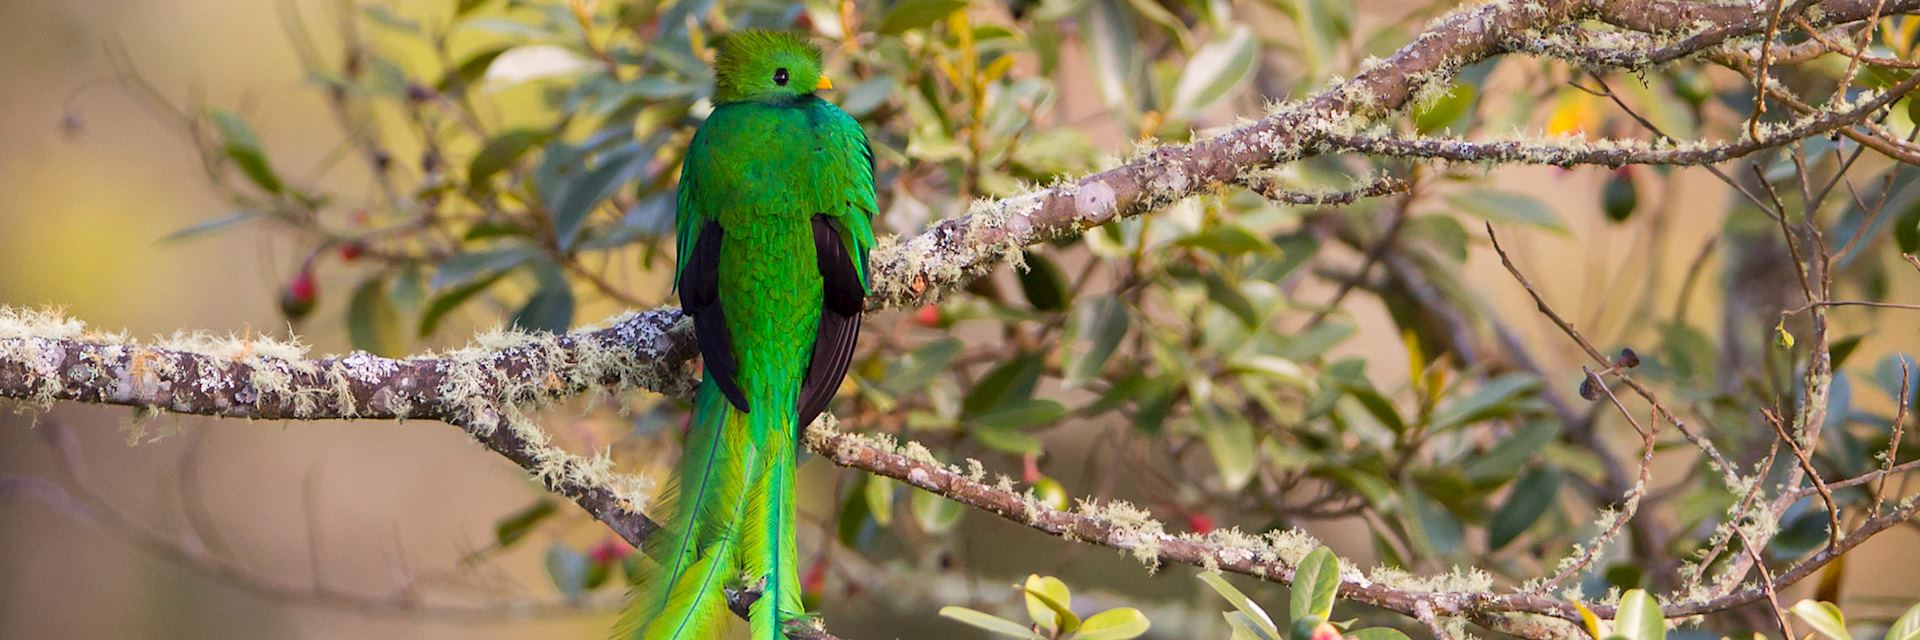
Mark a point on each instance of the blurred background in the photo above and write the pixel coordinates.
(109, 148)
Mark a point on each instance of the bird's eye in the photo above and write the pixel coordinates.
(780, 76)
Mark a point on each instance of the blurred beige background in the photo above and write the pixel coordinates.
(82, 204)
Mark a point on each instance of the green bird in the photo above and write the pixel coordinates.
(775, 220)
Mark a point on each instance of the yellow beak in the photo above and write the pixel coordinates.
(825, 84)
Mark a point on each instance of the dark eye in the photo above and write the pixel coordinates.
(780, 76)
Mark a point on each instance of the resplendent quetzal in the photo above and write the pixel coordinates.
(775, 221)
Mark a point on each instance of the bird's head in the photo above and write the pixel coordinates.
(766, 66)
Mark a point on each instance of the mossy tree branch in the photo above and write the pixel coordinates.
(488, 389)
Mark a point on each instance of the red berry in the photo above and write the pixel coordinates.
(816, 579)
(609, 551)
(297, 300)
(927, 316)
(352, 251)
(1199, 522)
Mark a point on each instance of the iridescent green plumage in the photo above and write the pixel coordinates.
(775, 222)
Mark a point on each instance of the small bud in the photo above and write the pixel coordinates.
(1782, 337)
(417, 92)
(1589, 390)
(1619, 198)
(352, 250)
(297, 300)
(1627, 359)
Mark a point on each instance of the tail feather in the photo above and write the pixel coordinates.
(767, 552)
(682, 595)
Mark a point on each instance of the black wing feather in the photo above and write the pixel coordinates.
(700, 296)
(842, 301)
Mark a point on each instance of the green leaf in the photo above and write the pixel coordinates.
(463, 7)
(469, 71)
(1229, 297)
(1499, 397)
(1531, 496)
(1123, 623)
(936, 515)
(920, 367)
(571, 203)
(1103, 323)
(1824, 617)
(1906, 228)
(501, 152)
(1315, 582)
(372, 324)
(1262, 623)
(1227, 239)
(879, 496)
(244, 149)
(1050, 604)
(1638, 617)
(568, 569)
(1021, 415)
(518, 524)
(1111, 47)
(988, 622)
(1042, 282)
(205, 227)
(1512, 453)
(1224, 62)
(1907, 627)
(1505, 207)
(449, 300)
(550, 308)
(908, 15)
(1229, 439)
(1446, 110)
(465, 268)
(1377, 633)
(1011, 381)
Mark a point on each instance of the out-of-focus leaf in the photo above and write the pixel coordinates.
(577, 196)
(516, 525)
(469, 71)
(1123, 623)
(463, 7)
(1497, 398)
(1050, 604)
(501, 152)
(1436, 531)
(1113, 51)
(907, 15)
(550, 308)
(1013, 380)
(534, 62)
(1044, 285)
(989, 622)
(935, 514)
(451, 299)
(1531, 496)
(1907, 627)
(1314, 583)
(921, 366)
(244, 150)
(210, 226)
(1446, 110)
(1507, 207)
(372, 324)
(1103, 323)
(1824, 617)
(1023, 414)
(1228, 297)
(1638, 617)
(1246, 606)
(1377, 633)
(879, 496)
(1230, 439)
(1906, 229)
(1309, 345)
(1227, 239)
(1224, 62)
(468, 267)
(1512, 452)
(568, 569)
